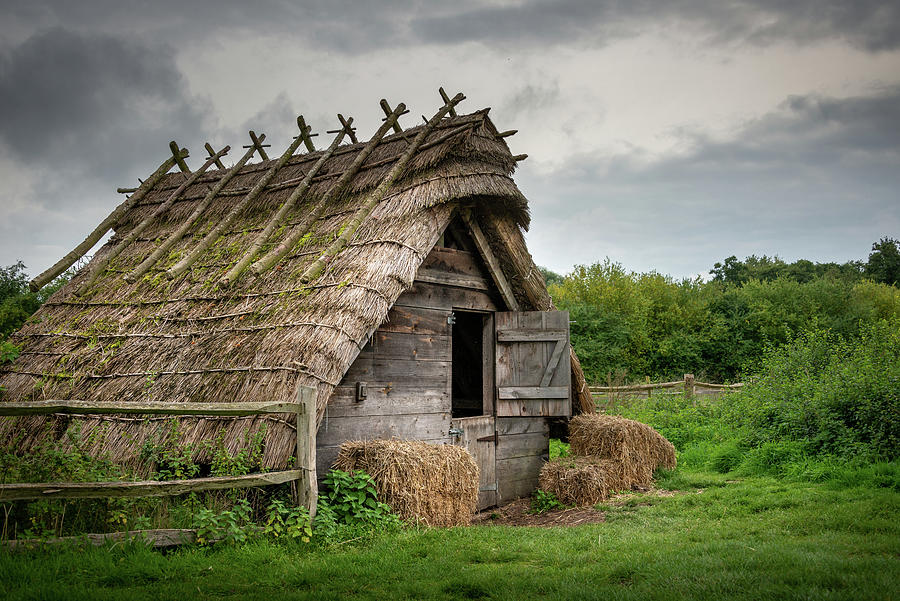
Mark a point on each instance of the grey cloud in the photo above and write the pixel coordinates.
(530, 98)
(817, 177)
(869, 24)
(92, 102)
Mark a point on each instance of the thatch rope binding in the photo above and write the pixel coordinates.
(186, 372)
(188, 223)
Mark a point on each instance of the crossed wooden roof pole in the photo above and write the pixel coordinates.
(251, 259)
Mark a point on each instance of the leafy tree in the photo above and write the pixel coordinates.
(550, 277)
(884, 262)
(17, 301)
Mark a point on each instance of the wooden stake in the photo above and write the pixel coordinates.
(351, 131)
(179, 233)
(101, 264)
(446, 100)
(180, 154)
(689, 386)
(307, 486)
(212, 152)
(508, 133)
(239, 208)
(110, 221)
(520, 157)
(285, 208)
(305, 134)
(348, 231)
(387, 111)
(301, 229)
(259, 146)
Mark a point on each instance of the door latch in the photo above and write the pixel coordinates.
(457, 432)
(451, 319)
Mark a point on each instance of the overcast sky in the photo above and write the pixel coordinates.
(664, 134)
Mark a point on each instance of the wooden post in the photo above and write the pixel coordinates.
(387, 111)
(178, 155)
(212, 153)
(688, 386)
(647, 382)
(307, 486)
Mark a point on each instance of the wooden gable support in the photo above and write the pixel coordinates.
(177, 153)
(163, 249)
(350, 131)
(101, 264)
(258, 145)
(520, 157)
(388, 111)
(212, 152)
(278, 218)
(446, 99)
(306, 134)
(224, 223)
(316, 268)
(507, 133)
(493, 265)
(79, 251)
(313, 215)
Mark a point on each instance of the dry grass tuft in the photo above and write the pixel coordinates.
(436, 485)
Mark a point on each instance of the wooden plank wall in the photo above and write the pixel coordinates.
(523, 447)
(407, 365)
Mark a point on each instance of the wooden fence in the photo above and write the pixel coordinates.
(304, 472)
(689, 386)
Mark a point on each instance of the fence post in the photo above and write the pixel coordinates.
(647, 382)
(688, 386)
(307, 486)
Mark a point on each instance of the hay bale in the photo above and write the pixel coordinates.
(575, 480)
(635, 450)
(436, 485)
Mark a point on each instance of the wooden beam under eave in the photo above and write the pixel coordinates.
(493, 265)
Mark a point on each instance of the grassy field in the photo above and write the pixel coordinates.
(754, 538)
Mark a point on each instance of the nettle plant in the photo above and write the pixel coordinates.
(351, 498)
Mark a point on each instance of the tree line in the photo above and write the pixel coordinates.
(633, 325)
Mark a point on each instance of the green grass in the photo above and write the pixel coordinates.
(754, 538)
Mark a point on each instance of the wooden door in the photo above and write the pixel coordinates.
(478, 435)
(532, 363)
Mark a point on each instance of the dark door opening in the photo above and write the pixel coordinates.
(468, 381)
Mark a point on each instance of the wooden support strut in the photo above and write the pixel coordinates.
(305, 134)
(285, 208)
(110, 221)
(484, 248)
(239, 208)
(179, 160)
(351, 131)
(318, 266)
(387, 111)
(179, 233)
(258, 145)
(446, 99)
(277, 253)
(101, 265)
(507, 133)
(212, 152)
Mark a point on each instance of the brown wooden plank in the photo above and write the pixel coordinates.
(162, 538)
(385, 401)
(553, 363)
(335, 430)
(403, 345)
(141, 488)
(454, 260)
(487, 365)
(531, 335)
(144, 408)
(532, 392)
(402, 371)
(521, 425)
(307, 487)
(423, 294)
(511, 490)
(445, 278)
(417, 320)
(523, 445)
(519, 468)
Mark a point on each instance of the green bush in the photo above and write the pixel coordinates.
(348, 503)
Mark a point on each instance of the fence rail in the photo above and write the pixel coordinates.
(688, 385)
(304, 473)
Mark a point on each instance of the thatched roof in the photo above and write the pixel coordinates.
(189, 338)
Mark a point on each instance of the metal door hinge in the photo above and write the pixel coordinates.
(457, 432)
(451, 319)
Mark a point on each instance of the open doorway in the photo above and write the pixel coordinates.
(471, 383)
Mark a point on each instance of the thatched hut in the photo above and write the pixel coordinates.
(392, 275)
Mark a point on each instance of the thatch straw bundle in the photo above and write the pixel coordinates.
(436, 485)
